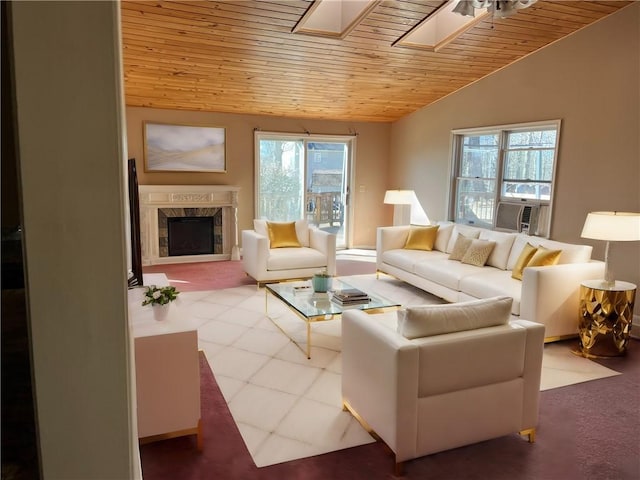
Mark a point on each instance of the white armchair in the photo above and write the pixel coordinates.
(447, 376)
(317, 251)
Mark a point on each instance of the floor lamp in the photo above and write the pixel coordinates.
(407, 209)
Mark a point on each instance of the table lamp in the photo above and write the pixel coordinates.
(612, 227)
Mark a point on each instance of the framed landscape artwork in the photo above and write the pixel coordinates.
(183, 148)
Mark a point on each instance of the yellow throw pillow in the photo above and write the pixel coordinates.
(421, 238)
(282, 234)
(527, 252)
(478, 252)
(544, 257)
(460, 247)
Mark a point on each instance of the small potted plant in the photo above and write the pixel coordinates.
(161, 298)
(321, 282)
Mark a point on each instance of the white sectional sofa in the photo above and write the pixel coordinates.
(546, 294)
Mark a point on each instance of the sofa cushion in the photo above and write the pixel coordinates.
(571, 253)
(443, 236)
(469, 232)
(288, 258)
(478, 252)
(492, 282)
(407, 259)
(460, 248)
(421, 238)
(500, 254)
(446, 272)
(428, 320)
(525, 255)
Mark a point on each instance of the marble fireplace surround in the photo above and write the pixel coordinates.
(163, 197)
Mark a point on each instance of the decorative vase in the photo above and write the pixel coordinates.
(161, 312)
(321, 283)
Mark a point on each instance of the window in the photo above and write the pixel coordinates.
(512, 164)
(528, 165)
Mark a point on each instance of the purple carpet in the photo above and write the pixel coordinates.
(585, 431)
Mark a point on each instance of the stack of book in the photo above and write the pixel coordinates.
(349, 296)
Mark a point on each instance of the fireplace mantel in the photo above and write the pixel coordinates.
(155, 197)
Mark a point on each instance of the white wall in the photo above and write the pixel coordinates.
(591, 81)
(70, 147)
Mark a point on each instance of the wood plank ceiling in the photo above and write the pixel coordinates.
(241, 57)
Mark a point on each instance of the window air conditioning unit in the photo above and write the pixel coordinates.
(517, 217)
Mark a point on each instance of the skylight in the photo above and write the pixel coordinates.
(439, 28)
(333, 18)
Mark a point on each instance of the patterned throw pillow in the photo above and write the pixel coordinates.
(421, 238)
(527, 252)
(478, 252)
(282, 234)
(460, 247)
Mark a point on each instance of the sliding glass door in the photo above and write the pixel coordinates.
(304, 177)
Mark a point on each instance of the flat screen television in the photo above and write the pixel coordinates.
(135, 278)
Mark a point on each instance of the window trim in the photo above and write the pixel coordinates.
(502, 131)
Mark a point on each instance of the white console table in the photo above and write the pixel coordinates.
(167, 370)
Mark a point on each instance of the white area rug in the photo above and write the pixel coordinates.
(287, 406)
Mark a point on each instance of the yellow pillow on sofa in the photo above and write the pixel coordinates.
(527, 252)
(421, 238)
(282, 234)
(544, 257)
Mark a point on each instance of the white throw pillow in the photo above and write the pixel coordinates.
(302, 230)
(571, 253)
(260, 226)
(500, 253)
(443, 236)
(429, 320)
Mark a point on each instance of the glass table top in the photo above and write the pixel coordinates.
(312, 305)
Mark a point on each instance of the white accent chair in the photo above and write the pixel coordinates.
(466, 374)
(265, 264)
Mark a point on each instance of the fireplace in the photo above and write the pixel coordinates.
(189, 231)
(190, 236)
(188, 223)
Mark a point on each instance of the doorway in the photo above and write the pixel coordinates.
(304, 177)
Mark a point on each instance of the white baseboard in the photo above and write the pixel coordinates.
(635, 327)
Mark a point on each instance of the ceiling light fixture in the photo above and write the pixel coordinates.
(497, 8)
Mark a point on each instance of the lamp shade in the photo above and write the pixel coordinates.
(399, 197)
(612, 226)
(408, 208)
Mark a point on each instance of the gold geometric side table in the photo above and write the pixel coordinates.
(606, 312)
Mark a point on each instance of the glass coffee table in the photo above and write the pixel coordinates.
(315, 307)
